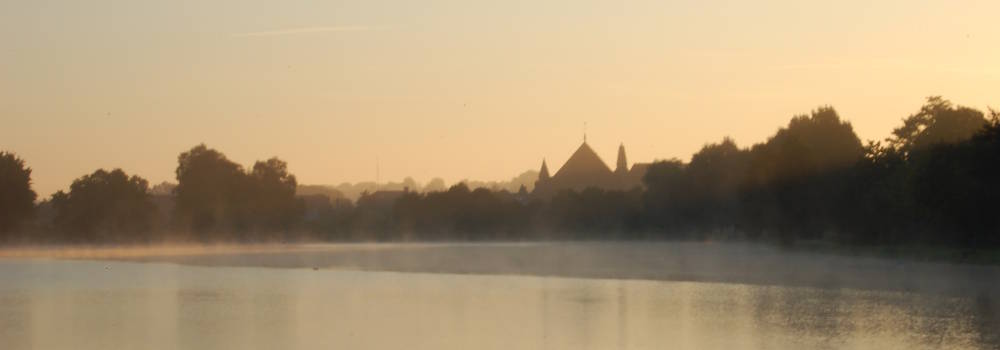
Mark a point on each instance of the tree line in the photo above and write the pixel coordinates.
(215, 199)
(933, 181)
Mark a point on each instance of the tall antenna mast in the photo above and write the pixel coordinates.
(375, 132)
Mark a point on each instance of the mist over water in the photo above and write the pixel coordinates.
(319, 298)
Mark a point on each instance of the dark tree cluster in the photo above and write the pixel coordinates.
(216, 199)
(17, 200)
(933, 182)
(939, 176)
(591, 214)
(106, 206)
(457, 213)
(460, 213)
(784, 186)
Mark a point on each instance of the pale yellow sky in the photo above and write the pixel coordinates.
(461, 89)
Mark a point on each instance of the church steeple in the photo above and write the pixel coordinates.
(543, 174)
(622, 167)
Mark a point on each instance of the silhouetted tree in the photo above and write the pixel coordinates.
(211, 192)
(218, 200)
(274, 206)
(329, 219)
(879, 207)
(789, 187)
(460, 213)
(106, 206)
(667, 195)
(595, 213)
(17, 199)
(716, 175)
(956, 191)
(937, 122)
(795, 180)
(808, 145)
(374, 216)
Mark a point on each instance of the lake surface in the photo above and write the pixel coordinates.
(102, 304)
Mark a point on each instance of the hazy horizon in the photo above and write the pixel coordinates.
(461, 90)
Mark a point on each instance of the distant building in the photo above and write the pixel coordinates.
(586, 169)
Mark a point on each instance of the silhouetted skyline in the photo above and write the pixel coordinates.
(932, 182)
(461, 90)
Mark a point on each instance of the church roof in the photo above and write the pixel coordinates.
(584, 162)
(585, 169)
(640, 167)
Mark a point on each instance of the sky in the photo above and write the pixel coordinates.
(462, 89)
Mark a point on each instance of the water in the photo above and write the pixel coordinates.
(66, 304)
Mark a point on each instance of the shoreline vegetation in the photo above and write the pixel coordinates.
(929, 191)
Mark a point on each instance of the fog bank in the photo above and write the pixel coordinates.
(675, 261)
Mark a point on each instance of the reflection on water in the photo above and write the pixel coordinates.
(103, 305)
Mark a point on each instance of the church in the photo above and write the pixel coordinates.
(586, 169)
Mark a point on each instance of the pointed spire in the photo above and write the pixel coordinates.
(544, 173)
(622, 167)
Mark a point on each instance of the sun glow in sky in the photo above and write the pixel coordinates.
(462, 89)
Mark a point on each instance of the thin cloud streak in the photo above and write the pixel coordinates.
(307, 30)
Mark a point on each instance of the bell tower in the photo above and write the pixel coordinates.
(543, 175)
(542, 184)
(622, 168)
